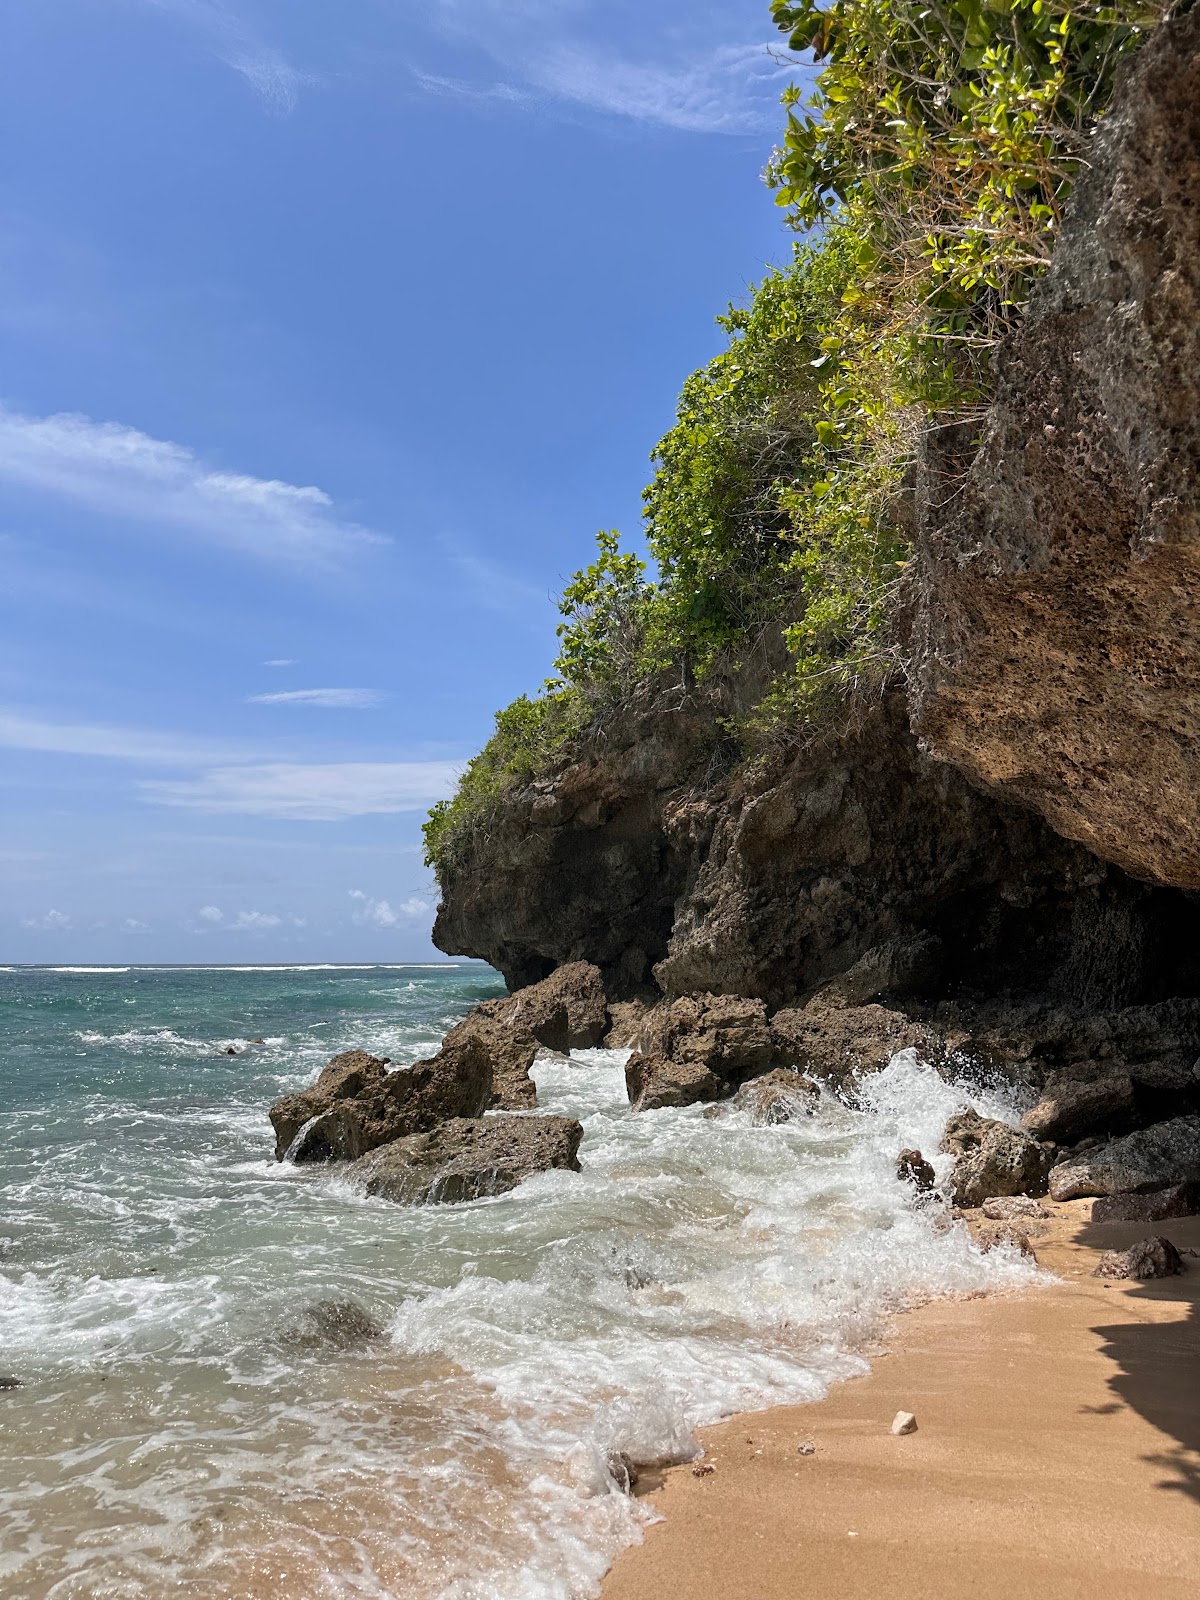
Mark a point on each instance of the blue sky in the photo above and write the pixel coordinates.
(331, 334)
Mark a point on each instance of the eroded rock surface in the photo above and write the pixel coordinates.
(1153, 1158)
(992, 1159)
(511, 1049)
(356, 1104)
(468, 1159)
(778, 1096)
(1149, 1258)
(1074, 1105)
(1057, 649)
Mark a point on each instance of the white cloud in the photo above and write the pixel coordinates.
(211, 914)
(255, 921)
(282, 661)
(52, 922)
(315, 793)
(335, 699)
(20, 732)
(267, 70)
(382, 914)
(119, 472)
(132, 925)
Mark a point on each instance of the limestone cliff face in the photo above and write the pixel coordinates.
(1057, 650)
(1039, 834)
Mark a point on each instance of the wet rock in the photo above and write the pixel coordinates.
(904, 1422)
(912, 1167)
(622, 1470)
(625, 1023)
(468, 1158)
(653, 1083)
(1180, 1200)
(1075, 1104)
(837, 1043)
(898, 967)
(1008, 1208)
(511, 1048)
(1149, 1258)
(356, 1104)
(992, 1159)
(778, 1096)
(333, 1325)
(1158, 1157)
(10, 1383)
(566, 1011)
(724, 1032)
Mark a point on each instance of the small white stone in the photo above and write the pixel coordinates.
(904, 1422)
(808, 1448)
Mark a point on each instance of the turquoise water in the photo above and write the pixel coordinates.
(170, 1430)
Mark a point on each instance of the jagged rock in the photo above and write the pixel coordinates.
(7, 1382)
(1010, 1208)
(726, 1033)
(625, 1023)
(904, 1422)
(1018, 1234)
(992, 1159)
(622, 1470)
(566, 1011)
(333, 1325)
(356, 1105)
(1153, 1158)
(899, 967)
(1057, 648)
(1159, 1205)
(1073, 1106)
(778, 1096)
(468, 1158)
(1149, 1258)
(511, 1048)
(836, 1042)
(912, 1167)
(654, 1083)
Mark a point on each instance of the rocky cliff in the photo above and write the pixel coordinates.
(1002, 847)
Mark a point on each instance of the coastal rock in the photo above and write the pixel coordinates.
(511, 1048)
(778, 1096)
(625, 1023)
(912, 1167)
(654, 1083)
(356, 1105)
(1073, 1106)
(1149, 1258)
(838, 1043)
(904, 1422)
(726, 1033)
(1153, 1158)
(901, 967)
(992, 1159)
(1011, 1208)
(1057, 642)
(333, 1325)
(1159, 1205)
(566, 1011)
(468, 1159)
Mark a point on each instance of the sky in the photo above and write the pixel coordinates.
(331, 334)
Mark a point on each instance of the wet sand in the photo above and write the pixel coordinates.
(1057, 1454)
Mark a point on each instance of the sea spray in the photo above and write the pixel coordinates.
(172, 1432)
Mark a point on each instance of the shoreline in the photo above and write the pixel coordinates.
(1057, 1452)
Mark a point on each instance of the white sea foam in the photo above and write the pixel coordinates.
(692, 1269)
(86, 969)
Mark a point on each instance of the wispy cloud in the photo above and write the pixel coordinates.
(280, 661)
(266, 69)
(494, 588)
(52, 922)
(328, 792)
(563, 52)
(333, 699)
(118, 471)
(18, 732)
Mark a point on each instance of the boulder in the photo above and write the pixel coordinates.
(912, 1167)
(1010, 1208)
(333, 1325)
(1077, 1103)
(836, 1042)
(1149, 1258)
(511, 1048)
(566, 1011)
(654, 1083)
(899, 966)
(777, 1096)
(467, 1158)
(1153, 1158)
(992, 1159)
(356, 1105)
(625, 1023)
(724, 1032)
(1180, 1200)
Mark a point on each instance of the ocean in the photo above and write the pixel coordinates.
(175, 1428)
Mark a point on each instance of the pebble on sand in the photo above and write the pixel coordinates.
(904, 1422)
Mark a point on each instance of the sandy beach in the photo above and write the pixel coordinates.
(1057, 1454)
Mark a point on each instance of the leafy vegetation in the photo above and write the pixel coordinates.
(929, 170)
